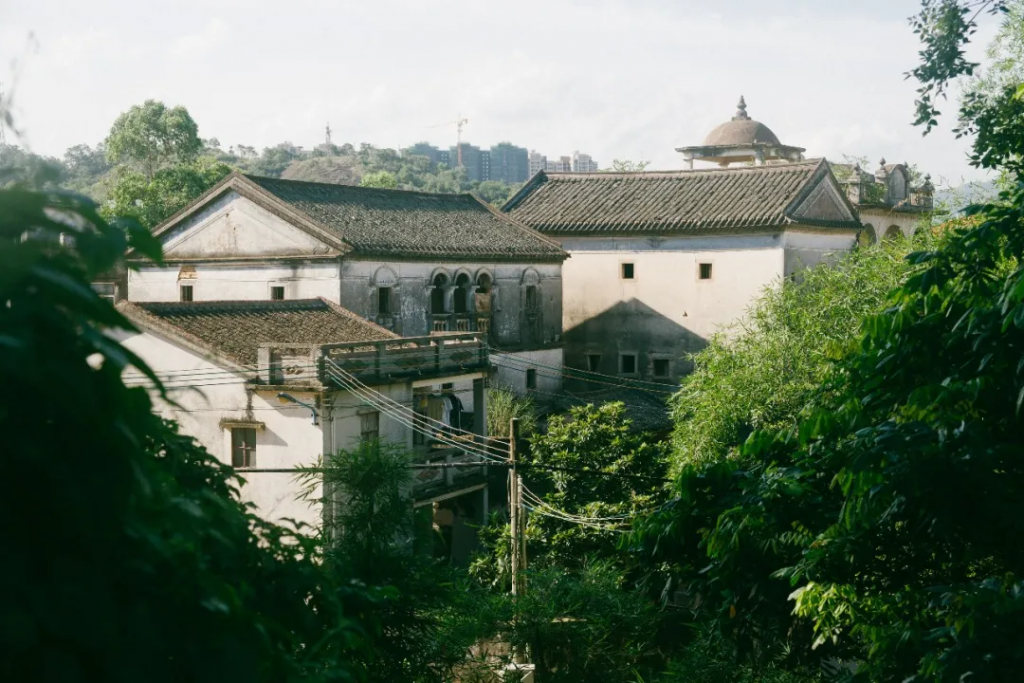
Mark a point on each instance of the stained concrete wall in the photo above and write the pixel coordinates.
(412, 283)
(510, 370)
(806, 249)
(881, 220)
(666, 311)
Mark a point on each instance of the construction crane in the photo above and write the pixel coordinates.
(458, 123)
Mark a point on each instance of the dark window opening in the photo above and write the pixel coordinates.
(627, 364)
(186, 292)
(593, 362)
(705, 271)
(627, 271)
(463, 288)
(243, 447)
(532, 300)
(437, 295)
(384, 301)
(661, 367)
(531, 379)
(369, 426)
(277, 293)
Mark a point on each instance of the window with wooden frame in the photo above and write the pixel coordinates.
(627, 271)
(627, 364)
(705, 271)
(661, 367)
(243, 447)
(277, 293)
(186, 292)
(531, 379)
(593, 362)
(369, 426)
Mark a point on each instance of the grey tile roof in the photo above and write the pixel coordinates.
(646, 412)
(389, 223)
(669, 202)
(235, 329)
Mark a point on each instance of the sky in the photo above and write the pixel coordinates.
(617, 79)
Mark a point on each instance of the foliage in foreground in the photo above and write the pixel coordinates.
(759, 373)
(127, 554)
(428, 618)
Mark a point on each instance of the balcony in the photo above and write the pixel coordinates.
(409, 358)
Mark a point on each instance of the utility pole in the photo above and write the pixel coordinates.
(517, 526)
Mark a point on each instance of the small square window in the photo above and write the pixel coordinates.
(243, 447)
(186, 292)
(627, 271)
(627, 364)
(661, 367)
(531, 379)
(383, 301)
(277, 293)
(705, 271)
(593, 362)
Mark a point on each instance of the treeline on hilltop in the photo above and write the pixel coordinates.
(153, 162)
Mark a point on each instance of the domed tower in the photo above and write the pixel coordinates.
(741, 140)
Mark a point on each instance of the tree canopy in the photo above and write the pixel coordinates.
(150, 136)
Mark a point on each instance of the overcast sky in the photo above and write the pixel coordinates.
(625, 79)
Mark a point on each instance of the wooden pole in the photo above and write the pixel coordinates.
(514, 503)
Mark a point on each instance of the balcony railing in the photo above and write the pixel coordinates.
(378, 362)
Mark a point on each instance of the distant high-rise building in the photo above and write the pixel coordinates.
(476, 161)
(582, 163)
(509, 164)
(563, 165)
(538, 162)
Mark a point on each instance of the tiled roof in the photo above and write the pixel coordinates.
(646, 412)
(235, 329)
(377, 222)
(750, 197)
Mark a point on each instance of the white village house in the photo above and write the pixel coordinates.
(662, 260)
(292, 319)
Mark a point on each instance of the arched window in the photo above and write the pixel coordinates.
(866, 236)
(437, 294)
(462, 293)
(483, 293)
(892, 232)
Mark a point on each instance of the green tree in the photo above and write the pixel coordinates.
(138, 562)
(428, 619)
(759, 373)
(151, 201)
(627, 166)
(379, 179)
(151, 136)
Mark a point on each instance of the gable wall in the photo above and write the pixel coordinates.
(234, 226)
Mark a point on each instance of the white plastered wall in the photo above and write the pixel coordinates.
(237, 282)
(289, 439)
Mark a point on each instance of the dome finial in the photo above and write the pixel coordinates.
(741, 111)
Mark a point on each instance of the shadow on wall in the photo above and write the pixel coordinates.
(657, 345)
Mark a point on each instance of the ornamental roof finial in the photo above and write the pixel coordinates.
(741, 111)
